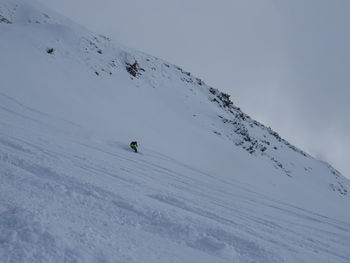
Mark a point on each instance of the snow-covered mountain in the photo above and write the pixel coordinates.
(210, 184)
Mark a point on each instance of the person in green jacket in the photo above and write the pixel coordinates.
(133, 146)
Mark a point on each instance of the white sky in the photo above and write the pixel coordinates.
(284, 62)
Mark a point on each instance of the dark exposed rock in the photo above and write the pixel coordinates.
(50, 51)
(4, 20)
(134, 69)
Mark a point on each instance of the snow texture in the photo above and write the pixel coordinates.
(209, 184)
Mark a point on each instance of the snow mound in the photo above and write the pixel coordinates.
(20, 11)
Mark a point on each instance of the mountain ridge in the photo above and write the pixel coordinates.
(209, 184)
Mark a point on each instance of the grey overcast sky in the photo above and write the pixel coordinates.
(284, 62)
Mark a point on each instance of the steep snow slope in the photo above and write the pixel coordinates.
(210, 183)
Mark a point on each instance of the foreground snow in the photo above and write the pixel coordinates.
(71, 198)
(209, 184)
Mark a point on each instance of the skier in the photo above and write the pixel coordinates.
(133, 146)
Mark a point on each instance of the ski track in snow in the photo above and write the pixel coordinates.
(128, 199)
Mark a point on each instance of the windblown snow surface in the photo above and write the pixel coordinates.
(209, 184)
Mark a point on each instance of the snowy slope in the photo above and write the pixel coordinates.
(209, 185)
